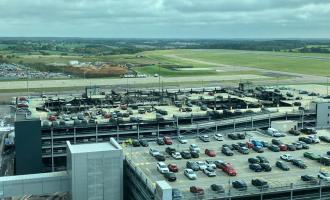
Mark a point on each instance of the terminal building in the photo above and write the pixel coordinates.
(79, 135)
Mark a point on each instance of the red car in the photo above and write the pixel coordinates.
(229, 169)
(173, 167)
(167, 140)
(52, 118)
(197, 190)
(283, 147)
(249, 145)
(210, 153)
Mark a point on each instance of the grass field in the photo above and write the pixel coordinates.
(316, 64)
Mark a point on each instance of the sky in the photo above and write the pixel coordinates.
(165, 18)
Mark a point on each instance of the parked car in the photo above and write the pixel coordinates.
(228, 168)
(176, 155)
(294, 132)
(274, 148)
(261, 184)
(312, 156)
(144, 143)
(162, 168)
(170, 176)
(308, 178)
(286, 157)
(254, 160)
(241, 136)
(190, 174)
(211, 163)
(194, 147)
(303, 144)
(266, 167)
(243, 150)
(186, 154)
(325, 139)
(258, 149)
(255, 167)
(291, 147)
(239, 185)
(233, 136)
(202, 165)
(218, 163)
(227, 145)
(160, 157)
(170, 150)
(308, 131)
(282, 165)
(153, 152)
(262, 159)
(173, 167)
(227, 151)
(204, 138)
(210, 172)
(182, 140)
(235, 146)
(218, 137)
(160, 141)
(197, 190)
(210, 152)
(325, 176)
(265, 144)
(194, 154)
(297, 145)
(167, 140)
(276, 142)
(192, 165)
(299, 163)
(176, 194)
(283, 147)
(136, 143)
(314, 139)
(306, 140)
(217, 188)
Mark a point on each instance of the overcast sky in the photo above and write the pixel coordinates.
(166, 18)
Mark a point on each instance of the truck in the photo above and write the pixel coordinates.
(274, 132)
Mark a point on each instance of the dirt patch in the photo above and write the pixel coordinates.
(100, 71)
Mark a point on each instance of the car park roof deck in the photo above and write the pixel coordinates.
(276, 178)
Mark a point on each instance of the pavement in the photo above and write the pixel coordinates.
(276, 178)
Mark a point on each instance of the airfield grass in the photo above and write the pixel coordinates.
(314, 64)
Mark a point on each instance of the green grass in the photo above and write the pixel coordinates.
(288, 62)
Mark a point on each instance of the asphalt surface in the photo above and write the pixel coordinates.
(276, 178)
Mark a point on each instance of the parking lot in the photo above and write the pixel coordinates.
(277, 178)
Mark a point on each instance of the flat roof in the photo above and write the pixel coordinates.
(91, 147)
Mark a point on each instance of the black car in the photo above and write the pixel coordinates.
(192, 165)
(241, 136)
(135, 143)
(229, 146)
(258, 149)
(242, 144)
(144, 143)
(299, 163)
(217, 188)
(328, 153)
(186, 154)
(170, 150)
(309, 178)
(170, 176)
(276, 142)
(176, 194)
(227, 151)
(274, 148)
(266, 167)
(291, 147)
(243, 150)
(265, 144)
(233, 136)
(282, 165)
(239, 185)
(325, 139)
(235, 146)
(160, 157)
(294, 132)
(255, 167)
(254, 160)
(308, 131)
(160, 141)
(306, 140)
(261, 184)
(194, 154)
(262, 159)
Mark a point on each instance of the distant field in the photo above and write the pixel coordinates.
(316, 64)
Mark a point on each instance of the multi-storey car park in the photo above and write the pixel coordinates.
(132, 116)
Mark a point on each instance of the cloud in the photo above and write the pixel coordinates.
(165, 18)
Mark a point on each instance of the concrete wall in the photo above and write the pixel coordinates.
(28, 146)
(284, 125)
(323, 115)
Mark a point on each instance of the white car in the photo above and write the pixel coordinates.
(324, 176)
(194, 147)
(154, 152)
(211, 163)
(182, 140)
(218, 137)
(190, 174)
(176, 155)
(314, 138)
(204, 138)
(162, 168)
(202, 165)
(210, 172)
(286, 157)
